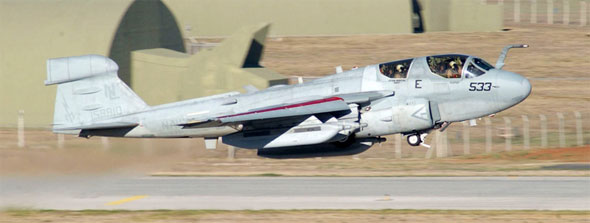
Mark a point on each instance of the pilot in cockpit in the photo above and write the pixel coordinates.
(396, 69)
(389, 73)
(447, 66)
(399, 71)
(455, 70)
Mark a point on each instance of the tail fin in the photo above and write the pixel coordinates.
(89, 93)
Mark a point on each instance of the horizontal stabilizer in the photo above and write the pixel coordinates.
(67, 69)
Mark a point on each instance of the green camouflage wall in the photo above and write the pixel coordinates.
(162, 76)
(294, 17)
(158, 74)
(33, 31)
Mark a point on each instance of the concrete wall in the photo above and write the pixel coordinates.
(566, 12)
(461, 16)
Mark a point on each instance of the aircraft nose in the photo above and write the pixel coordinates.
(514, 88)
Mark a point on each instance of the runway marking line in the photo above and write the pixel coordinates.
(125, 200)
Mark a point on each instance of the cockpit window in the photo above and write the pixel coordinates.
(447, 66)
(473, 71)
(396, 69)
(482, 64)
(477, 67)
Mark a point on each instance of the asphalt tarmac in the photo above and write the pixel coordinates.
(238, 193)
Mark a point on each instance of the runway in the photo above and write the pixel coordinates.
(236, 193)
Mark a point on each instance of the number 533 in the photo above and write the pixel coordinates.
(480, 86)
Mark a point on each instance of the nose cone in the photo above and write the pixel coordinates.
(514, 88)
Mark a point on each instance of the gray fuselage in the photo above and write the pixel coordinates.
(421, 100)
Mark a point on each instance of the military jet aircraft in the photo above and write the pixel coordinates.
(341, 114)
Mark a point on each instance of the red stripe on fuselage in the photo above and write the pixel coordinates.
(285, 107)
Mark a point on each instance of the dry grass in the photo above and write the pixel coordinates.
(324, 216)
(188, 157)
(518, 163)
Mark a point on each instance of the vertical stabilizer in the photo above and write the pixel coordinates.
(89, 92)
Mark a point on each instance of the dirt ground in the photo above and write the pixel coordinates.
(187, 157)
(324, 216)
(574, 162)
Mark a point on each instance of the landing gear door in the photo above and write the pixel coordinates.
(413, 115)
(434, 113)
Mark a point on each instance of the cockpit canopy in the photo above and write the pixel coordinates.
(453, 66)
(396, 69)
(446, 66)
(477, 67)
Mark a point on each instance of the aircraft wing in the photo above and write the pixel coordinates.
(304, 107)
(308, 107)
